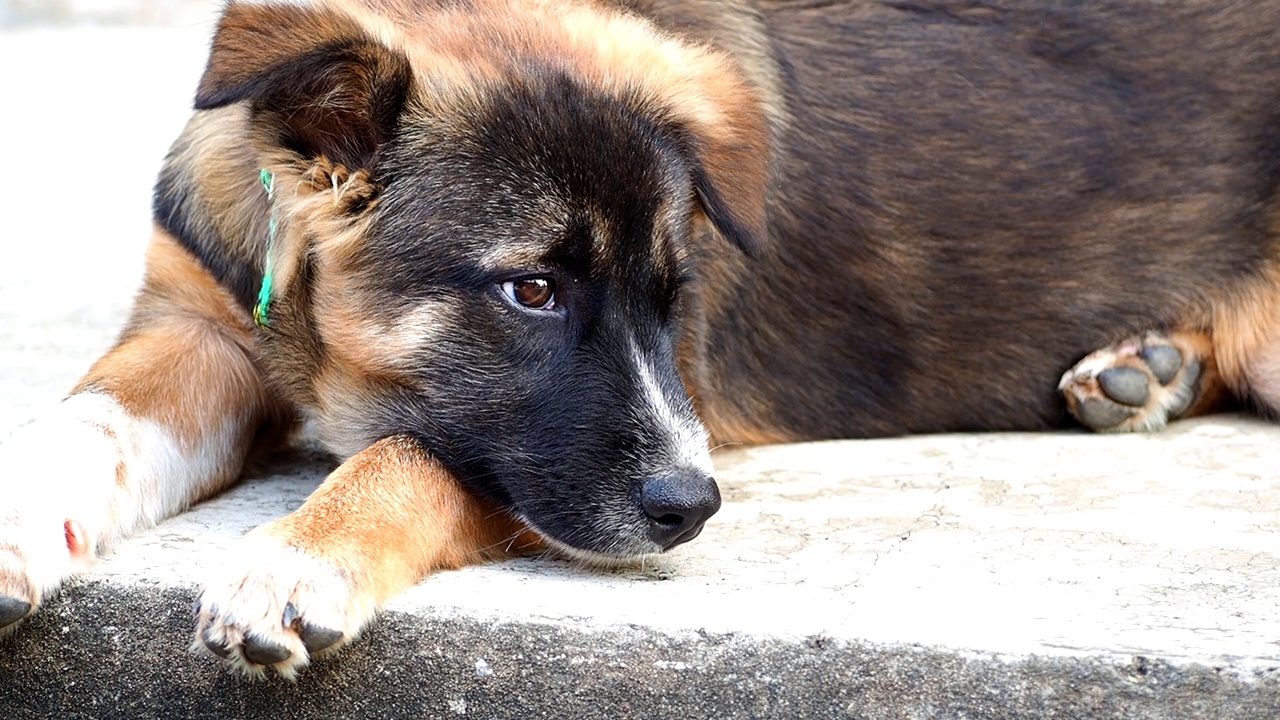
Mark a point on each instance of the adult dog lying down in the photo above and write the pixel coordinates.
(522, 261)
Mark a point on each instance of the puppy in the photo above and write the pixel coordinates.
(521, 262)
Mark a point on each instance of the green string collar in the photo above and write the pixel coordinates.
(260, 318)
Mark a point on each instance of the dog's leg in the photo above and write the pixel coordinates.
(308, 582)
(1143, 382)
(1246, 336)
(163, 419)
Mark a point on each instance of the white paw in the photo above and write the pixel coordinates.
(55, 477)
(274, 605)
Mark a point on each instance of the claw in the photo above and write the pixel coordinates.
(12, 610)
(314, 637)
(76, 537)
(290, 614)
(216, 647)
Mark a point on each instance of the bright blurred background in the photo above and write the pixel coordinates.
(92, 92)
(114, 12)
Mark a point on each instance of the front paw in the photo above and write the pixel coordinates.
(275, 605)
(36, 555)
(52, 474)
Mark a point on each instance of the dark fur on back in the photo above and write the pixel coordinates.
(973, 195)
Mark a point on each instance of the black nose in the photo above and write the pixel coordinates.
(678, 505)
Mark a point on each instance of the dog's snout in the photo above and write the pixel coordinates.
(678, 505)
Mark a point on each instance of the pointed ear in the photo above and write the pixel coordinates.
(314, 77)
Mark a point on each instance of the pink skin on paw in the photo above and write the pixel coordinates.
(77, 539)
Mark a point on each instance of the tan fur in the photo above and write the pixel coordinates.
(187, 354)
(324, 211)
(122, 471)
(164, 419)
(731, 418)
(1215, 392)
(367, 519)
(215, 145)
(456, 49)
(381, 522)
(1245, 328)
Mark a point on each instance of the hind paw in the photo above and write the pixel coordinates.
(1140, 383)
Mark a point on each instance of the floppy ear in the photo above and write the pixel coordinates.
(731, 190)
(315, 77)
(728, 141)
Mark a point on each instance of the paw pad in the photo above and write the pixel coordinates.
(264, 652)
(1164, 361)
(1138, 384)
(1102, 413)
(1126, 385)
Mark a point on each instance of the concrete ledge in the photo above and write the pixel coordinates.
(999, 576)
(107, 652)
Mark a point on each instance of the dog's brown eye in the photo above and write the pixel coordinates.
(535, 293)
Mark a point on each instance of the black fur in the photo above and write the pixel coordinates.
(526, 406)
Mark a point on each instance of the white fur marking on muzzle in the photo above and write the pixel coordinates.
(686, 435)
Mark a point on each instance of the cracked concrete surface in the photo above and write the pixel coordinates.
(1012, 545)
(1063, 575)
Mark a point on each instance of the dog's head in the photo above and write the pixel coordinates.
(490, 216)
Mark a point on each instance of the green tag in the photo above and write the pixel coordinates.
(264, 295)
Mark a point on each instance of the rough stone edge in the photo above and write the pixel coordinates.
(101, 649)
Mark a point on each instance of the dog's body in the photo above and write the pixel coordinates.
(496, 229)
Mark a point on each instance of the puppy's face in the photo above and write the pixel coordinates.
(526, 260)
(508, 287)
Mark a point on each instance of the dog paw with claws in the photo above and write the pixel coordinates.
(277, 607)
(52, 478)
(1138, 384)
